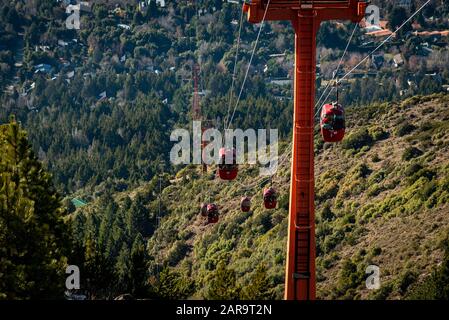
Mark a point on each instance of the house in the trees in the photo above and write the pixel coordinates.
(398, 60)
(124, 26)
(119, 12)
(85, 7)
(404, 3)
(43, 68)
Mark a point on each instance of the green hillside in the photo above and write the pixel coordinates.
(381, 198)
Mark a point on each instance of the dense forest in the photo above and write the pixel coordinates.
(98, 105)
(120, 84)
(37, 242)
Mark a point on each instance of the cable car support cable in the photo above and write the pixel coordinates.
(249, 64)
(338, 67)
(386, 40)
(231, 94)
(370, 54)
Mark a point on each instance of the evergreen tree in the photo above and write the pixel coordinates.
(118, 235)
(153, 10)
(137, 219)
(122, 268)
(419, 18)
(106, 226)
(99, 273)
(130, 91)
(34, 240)
(396, 18)
(259, 286)
(223, 285)
(172, 285)
(138, 270)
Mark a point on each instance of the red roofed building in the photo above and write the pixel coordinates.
(384, 33)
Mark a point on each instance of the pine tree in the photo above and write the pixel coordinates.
(104, 232)
(129, 87)
(99, 273)
(137, 219)
(259, 286)
(396, 17)
(174, 286)
(122, 268)
(223, 285)
(117, 235)
(34, 240)
(138, 270)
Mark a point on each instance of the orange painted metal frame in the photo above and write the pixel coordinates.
(306, 17)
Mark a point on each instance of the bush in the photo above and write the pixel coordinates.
(223, 284)
(427, 190)
(177, 252)
(333, 240)
(423, 172)
(377, 177)
(263, 222)
(378, 133)
(327, 185)
(374, 190)
(404, 129)
(349, 278)
(259, 287)
(427, 126)
(412, 169)
(383, 292)
(406, 279)
(357, 140)
(376, 251)
(435, 286)
(362, 171)
(327, 214)
(174, 286)
(427, 110)
(284, 201)
(348, 219)
(410, 153)
(375, 158)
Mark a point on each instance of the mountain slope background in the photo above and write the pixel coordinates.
(381, 199)
(99, 102)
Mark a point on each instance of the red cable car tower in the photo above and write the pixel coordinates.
(306, 16)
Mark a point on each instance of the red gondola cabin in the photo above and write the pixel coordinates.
(332, 122)
(212, 213)
(227, 167)
(245, 204)
(270, 198)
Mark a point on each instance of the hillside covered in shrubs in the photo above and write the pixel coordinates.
(381, 198)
